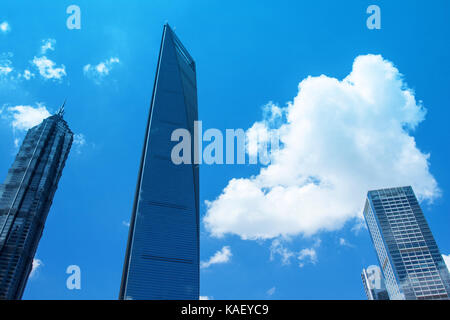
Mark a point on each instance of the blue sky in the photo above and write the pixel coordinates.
(247, 54)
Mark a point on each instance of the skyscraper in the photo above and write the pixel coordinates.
(374, 284)
(26, 197)
(409, 258)
(162, 255)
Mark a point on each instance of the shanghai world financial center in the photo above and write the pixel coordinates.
(162, 258)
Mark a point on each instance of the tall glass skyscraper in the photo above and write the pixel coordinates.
(409, 258)
(162, 256)
(26, 197)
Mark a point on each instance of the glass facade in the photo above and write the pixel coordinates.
(25, 200)
(409, 257)
(162, 257)
(374, 284)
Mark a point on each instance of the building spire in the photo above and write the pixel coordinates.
(61, 110)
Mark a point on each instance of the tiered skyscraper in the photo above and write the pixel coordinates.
(411, 263)
(26, 197)
(162, 256)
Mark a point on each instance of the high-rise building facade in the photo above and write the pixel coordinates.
(26, 197)
(373, 282)
(162, 255)
(412, 266)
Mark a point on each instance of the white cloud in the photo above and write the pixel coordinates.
(343, 242)
(447, 260)
(360, 224)
(36, 264)
(101, 70)
(126, 224)
(205, 298)
(261, 135)
(307, 255)
(27, 74)
(339, 140)
(277, 248)
(5, 27)
(5, 67)
(257, 133)
(26, 117)
(303, 256)
(79, 141)
(8, 72)
(221, 256)
(48, 44)
(271, 291)
(47, 68)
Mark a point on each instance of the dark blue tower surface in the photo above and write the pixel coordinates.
(26, 197)
(162, 256)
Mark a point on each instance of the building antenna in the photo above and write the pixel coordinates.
(61, 110)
